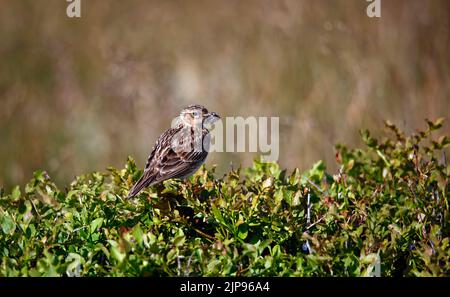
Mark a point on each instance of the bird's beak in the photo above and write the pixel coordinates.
(210, 119)
(213, 114)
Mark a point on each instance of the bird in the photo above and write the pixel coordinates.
(179, 151)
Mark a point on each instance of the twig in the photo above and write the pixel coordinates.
(314, 185)
(412, 191)
(179, 265)
(188, 266)
(432, 246)
(308, 246)
(308, 220)
(35, 209)
(316, 222)
(377, 190)
(79, 228)
(308, 210)
(204, 234)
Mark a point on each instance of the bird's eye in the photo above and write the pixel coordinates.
(196, 114)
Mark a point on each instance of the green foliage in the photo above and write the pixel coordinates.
(388, 204)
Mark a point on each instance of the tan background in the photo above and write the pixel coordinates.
(78, 95)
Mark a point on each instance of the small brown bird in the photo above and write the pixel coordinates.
(179, 151)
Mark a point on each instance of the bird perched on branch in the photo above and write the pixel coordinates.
(179, 151)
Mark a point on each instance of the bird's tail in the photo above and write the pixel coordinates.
(143, 182)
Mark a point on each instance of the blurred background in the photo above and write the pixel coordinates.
(80, 94)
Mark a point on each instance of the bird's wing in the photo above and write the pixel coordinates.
(178, 165)
(166, 163)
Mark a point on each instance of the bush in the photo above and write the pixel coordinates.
(387, 211)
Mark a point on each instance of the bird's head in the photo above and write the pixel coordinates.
(198, 116)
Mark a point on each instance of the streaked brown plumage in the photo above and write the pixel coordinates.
(175, 154)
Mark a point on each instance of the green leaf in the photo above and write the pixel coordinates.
(444, 141)
(138, 234)
(31, 231)
(317, 172)
(96, 224)
(40, 175)
(368, 140)
(117, 254)
(7, 223)
(243, 231)
(15, 194)
(171, 255)
(74, 268)
(276, 251)
(432, 126)
(179, 240)
(217, 214)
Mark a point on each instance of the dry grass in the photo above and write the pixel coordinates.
(79, 95)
